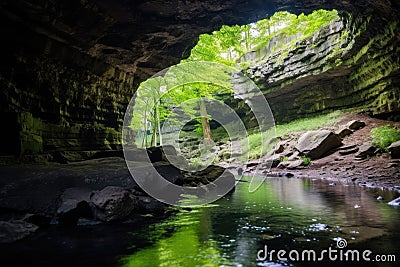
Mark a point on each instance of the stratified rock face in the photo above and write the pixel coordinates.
(340, 66)
(69, 68)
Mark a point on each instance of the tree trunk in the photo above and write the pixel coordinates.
(144, 141)
(159, 126)
(205, 123)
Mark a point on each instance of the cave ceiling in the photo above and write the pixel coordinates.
(144, 37)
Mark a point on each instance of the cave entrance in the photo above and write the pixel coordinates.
(236, 47)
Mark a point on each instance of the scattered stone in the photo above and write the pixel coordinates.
(379, 198)
(347, 147)
(348, 151)
(355, 125)
(315, 144)
(392, 165)
(112, 203)
(279, 148)
(395, 202)
(332, 184)
(394, 150)
(147, 204)
(356, 206)
(11, 231)
(272, 161)
(365, 151)
(343, 132)
(291, 164)
(294, 156)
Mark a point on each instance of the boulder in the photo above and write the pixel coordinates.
(11, 231)
(74, 205)
(113, 203)
(316, 144)
(394, 150)
(365, 151)
(355, 125)
(343, 132)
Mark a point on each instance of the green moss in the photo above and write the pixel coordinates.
(283, 159)
(384, 136)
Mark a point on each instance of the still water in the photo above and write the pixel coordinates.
(283, 214)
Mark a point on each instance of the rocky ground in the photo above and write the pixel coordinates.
(88, 192)
(344, 155)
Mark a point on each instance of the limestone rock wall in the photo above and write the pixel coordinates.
(62, 104)
(342, 66)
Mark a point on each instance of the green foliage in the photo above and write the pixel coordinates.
(230, 43)
(259, 143)
(306, 160)
(283, 159)
(384, 136)
(307, 124)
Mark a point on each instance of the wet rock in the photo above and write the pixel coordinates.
(343, 132)
(113, 203)
(395, 202)
(394, 150)
(355, 125)
(365, 151)
(74, 205)
(146, 204)
(286, 174)
(316, 144)
(11, 231)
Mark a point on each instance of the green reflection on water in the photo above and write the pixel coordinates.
(281, 212)
(189, 245)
